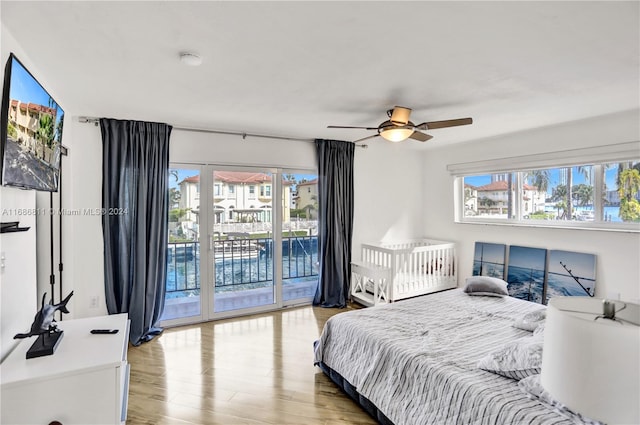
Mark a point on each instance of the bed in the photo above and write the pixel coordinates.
(392, 271)
(415, 361)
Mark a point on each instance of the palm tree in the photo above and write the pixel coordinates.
(569, 203)
(629, 185)
(584, 193)
(313, 206)
(539, 179)
(58, 133)
(561, 205)
(487, 203)
(625, 166)
(174, 197)
(46, 127)
(585, 170)
(509, 195)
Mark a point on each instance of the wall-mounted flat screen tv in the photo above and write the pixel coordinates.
(31, 133)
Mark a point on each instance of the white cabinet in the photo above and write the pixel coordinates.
(86, 381)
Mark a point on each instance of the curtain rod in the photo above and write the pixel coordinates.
(95, 121)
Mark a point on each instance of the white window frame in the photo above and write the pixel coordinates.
(595, 156)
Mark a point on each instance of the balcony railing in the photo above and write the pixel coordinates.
(240, 262)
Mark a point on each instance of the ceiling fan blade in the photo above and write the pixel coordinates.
(423, 137)
(346, 126)
(443, 124)
(365, 138)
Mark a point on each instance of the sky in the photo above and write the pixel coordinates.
(25, 88)
(490, 252)
(529, 258)
(580, 264)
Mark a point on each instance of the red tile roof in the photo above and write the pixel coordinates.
(192, 179)
(501, 186)
(235, 177)
(309, 183)
(241, 177)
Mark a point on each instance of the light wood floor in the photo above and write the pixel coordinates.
(250, 370)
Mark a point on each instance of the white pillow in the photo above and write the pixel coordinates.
(517, 359)
(485, 285)
(531, 321)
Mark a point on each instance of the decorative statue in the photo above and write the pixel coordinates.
(43, 322)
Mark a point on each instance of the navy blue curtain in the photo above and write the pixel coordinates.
(335, 221)
(135, 165)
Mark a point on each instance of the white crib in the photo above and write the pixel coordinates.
(415, 267)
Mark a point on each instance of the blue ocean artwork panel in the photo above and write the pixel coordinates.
(488, 259)
(571, 274)
(526, 273)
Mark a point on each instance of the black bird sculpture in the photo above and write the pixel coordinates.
(43, 322)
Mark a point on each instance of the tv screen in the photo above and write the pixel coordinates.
(31, 131)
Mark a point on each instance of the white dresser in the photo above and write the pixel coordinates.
(86, 381)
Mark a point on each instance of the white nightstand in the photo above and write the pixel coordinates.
(86, 381)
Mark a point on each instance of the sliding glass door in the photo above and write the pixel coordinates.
(299, 237)
(241, 240)
(183, 282)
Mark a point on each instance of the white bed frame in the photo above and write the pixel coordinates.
(392, 271)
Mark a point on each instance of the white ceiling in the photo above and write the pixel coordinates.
(292, 68)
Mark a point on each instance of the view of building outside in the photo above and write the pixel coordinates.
(556, 193)
(33, 133)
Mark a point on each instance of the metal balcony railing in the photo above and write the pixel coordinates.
(240, 262)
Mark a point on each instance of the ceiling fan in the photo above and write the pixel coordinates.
(398, 127)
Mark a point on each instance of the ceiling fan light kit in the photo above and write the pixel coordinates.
(396, 134)
(398, 128)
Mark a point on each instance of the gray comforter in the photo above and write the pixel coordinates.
(416, 360)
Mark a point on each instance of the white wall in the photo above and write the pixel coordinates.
(18, 277)
(82, 233)
(618, 253)
(388, 194)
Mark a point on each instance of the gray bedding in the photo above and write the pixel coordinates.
(416, 360)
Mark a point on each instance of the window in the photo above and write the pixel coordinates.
(489, 195)
(596, 194)
(232, 189)
(252, 191)
(217, 190)
(265, 191)
(621, 192)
